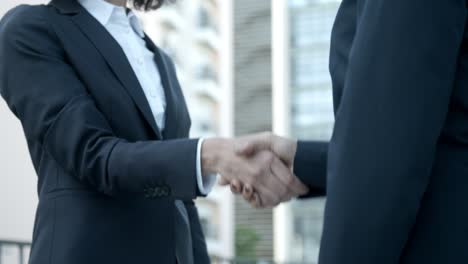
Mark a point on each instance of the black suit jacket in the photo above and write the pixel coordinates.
(397, 181)
(107, 180)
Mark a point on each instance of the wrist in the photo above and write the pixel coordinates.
(212, 155)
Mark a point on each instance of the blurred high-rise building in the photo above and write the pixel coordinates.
(252, 80)
(303, 108)
(282, 83)
(189, 31)
(195, 35)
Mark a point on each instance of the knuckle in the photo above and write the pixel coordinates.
(253, 180)
(290, 180)
(268, 158)
(256, 172)
(246, 145)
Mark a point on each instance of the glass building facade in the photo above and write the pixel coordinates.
(310, 24)
(310, 28)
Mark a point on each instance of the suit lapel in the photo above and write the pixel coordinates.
(113, 54)
(172, 115)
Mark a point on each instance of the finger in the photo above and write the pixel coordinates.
(246, 198)
(301, 188)
(269, 195)
(236, 186)
(223, 181)
(250, 199)
(288, 179)
(233, 189)
(253, 198)
(296, 186)
(269, 188)
(256, 201)
(247, 192)
(283, 175)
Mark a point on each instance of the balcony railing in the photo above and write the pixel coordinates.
(14, 252)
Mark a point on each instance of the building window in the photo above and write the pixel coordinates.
(204, 19)
(312, 118)
(312, 108)
(206, 72)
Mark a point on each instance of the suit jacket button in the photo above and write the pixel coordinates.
(148, 193)
(157, 192)
(167, 190)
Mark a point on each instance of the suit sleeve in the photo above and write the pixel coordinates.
(55, 109)
(310, 166)
(400, 77)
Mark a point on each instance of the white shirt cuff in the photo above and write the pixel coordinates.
(205, 182)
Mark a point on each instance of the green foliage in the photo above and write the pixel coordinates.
(246, 242)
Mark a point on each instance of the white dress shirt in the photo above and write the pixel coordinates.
(128, 32)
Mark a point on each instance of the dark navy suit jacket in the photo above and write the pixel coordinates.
(397, 179)
(107, 181)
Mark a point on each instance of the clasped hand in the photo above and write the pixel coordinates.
(258, 167)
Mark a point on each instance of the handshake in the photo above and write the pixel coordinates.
(258, 167)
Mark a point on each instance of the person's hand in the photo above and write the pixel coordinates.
(262, 174)
(283, 148)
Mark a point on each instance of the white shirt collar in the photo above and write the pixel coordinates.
(103, 11)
